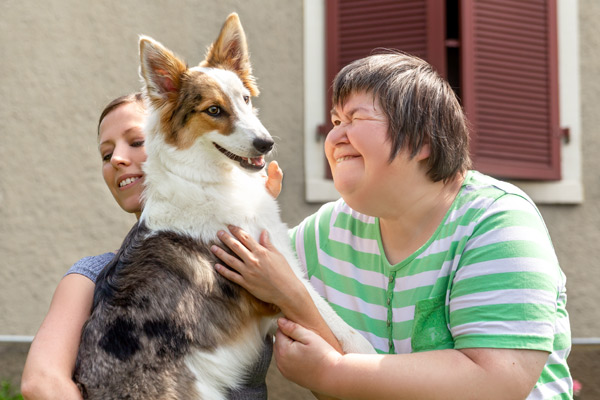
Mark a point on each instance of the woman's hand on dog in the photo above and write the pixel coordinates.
(274, 179)
(261, 268)
(302, 356)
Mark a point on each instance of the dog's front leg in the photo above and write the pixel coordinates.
(350, 340)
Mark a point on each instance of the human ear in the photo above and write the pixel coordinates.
(425, 151)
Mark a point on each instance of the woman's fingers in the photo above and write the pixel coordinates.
(265, 241)
(274, 179)
(228, 259)
(241, 245)
(248, 244)
(229, 274)
(263, 271)
(301, 354)
(293, 331)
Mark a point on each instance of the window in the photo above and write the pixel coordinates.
(499, 55)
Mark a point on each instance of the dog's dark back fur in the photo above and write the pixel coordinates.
(151, 307)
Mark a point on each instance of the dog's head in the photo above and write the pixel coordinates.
(208, 105)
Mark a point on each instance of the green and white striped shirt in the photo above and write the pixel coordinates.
(488, 277)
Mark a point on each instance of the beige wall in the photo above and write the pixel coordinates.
(575, 230)
(62, 61)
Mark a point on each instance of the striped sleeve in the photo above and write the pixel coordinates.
(505, 291)
(305, 238)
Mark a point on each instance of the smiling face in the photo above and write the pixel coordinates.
(121, 139)
(358, 150)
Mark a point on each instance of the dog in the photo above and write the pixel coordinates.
(165, 324)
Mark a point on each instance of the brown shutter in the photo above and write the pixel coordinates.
(510, 86)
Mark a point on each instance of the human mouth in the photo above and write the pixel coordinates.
(345, 158)
(128, 181)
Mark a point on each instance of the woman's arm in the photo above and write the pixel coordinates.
(477, 373)
(264, 272)
(51, 359)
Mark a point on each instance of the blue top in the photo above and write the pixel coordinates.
(91, 266)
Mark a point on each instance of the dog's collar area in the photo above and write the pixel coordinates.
(253, 164)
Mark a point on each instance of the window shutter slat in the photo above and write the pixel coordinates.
(510, 86)
(365, 25)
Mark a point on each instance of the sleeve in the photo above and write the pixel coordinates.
(505, 291)
(306, 236)
(297, 236)
(90, 267)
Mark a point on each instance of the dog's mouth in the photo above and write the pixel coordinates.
(253, 164)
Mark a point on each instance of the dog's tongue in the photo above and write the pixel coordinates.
(258, 161)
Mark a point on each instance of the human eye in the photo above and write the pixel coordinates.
(335, 119)
(106, 157)
(357, 116)
(137, 143)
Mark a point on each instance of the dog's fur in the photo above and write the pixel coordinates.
(164, 324)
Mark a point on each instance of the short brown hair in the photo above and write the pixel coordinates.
(419, 104)
(136, 97)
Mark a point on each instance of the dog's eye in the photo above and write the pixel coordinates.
(213, 110)
(247, 99)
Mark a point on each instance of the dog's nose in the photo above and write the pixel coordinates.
(263, 145)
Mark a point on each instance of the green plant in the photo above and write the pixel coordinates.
(8, 393)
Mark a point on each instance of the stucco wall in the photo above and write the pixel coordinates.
(62, 61)
(574, 229)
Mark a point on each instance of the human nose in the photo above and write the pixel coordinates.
(119, 157)
(337, 135)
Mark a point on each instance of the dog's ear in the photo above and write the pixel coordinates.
(160, 69)
(230, 51)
